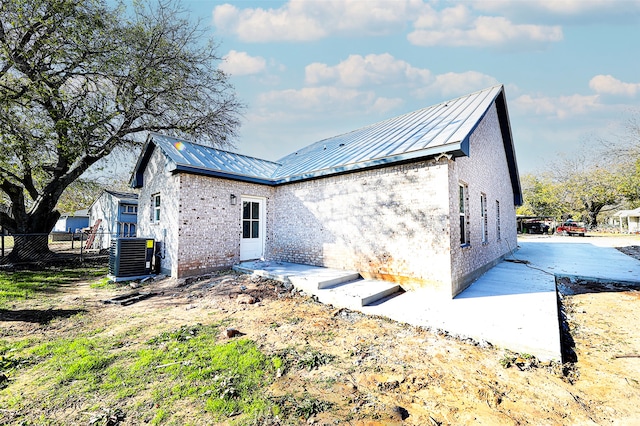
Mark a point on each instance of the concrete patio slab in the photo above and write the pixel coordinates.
(514, 305)
(579, 258)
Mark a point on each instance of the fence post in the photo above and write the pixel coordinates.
(2, 234)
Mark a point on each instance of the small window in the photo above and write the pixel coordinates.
(155, 200)
(497, 220)
(485, 220)
(464, 218)
(127, 229)
(130, 208)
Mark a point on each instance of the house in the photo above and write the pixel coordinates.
(628, 220)
(426, 199)
(72, 222)
(113, 214)
(69, 224)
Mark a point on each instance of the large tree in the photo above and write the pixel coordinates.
(542, 196)
(78, 79)
(624, 150)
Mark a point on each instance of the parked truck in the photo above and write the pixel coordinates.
(571, 228)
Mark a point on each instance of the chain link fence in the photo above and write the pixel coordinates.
(54, 247)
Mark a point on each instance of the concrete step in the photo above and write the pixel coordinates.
(313, 276)
(333, 286)
(367, 291)
(352, 294)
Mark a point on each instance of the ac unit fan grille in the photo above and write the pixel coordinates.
(130, 257)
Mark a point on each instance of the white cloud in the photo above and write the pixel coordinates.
(609, 85)
(241, 63)
(457, 26)
(561, 107)
(357, 71)
(300, 20)
(325, 98)
(456, 84)
(385, 71)
(564, 10)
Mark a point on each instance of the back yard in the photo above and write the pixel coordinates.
(234, 349)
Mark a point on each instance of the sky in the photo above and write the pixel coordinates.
(307, 70)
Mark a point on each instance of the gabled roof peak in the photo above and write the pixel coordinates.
(443, 128)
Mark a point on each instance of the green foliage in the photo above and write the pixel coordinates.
(81, 79)
(104, 283)
(629, 183)
(308, 358)
(160, 416)
(82, 358)
(542, 197)
(79, 195)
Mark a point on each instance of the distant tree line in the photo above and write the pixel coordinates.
(582, 186)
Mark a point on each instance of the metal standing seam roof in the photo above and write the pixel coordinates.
(438, 129)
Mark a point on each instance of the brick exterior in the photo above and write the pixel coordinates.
(210, 228)
(199, 229)
(390, 223)
(484, 171)
(398, 223)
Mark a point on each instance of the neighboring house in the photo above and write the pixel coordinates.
(72, 222)
(426, 199)
(628, 220)
(115, 214)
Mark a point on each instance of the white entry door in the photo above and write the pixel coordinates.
(252, 241)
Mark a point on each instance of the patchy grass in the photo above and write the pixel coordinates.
(104, 283)
(304, 406)
(21, 285)
(305, 359)
(226, 379)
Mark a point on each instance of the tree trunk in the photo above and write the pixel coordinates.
(31, 241)
(593, 209)
(29, 248)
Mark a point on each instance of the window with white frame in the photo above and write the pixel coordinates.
(464, 217)
(484, 219)
(497, 220)
(155, 211)
(127, 229)
(130, 208)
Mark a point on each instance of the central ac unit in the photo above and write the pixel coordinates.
(131, 258)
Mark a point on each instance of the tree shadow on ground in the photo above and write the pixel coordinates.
(43, 316)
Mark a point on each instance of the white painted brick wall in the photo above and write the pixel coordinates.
(389, 223)
(199, 228)
(485, 171)
(209, 226)
(157, 180)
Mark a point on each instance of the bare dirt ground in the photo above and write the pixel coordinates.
(383, 372)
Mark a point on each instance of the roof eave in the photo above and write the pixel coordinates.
(455, 149)
(220, 174)
(137, 177)
(509, 149)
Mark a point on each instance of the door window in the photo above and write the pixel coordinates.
(250, 219)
